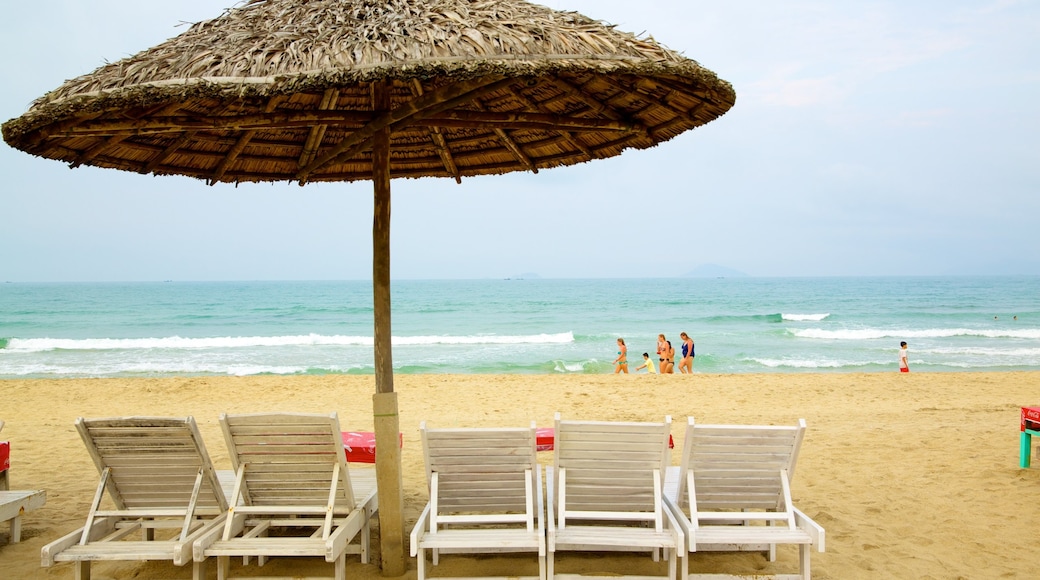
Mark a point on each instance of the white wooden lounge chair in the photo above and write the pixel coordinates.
(162, 485)
(733, 493)
(605, 493)
(485, 495)
(291, 477)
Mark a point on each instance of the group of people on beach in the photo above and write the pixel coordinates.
(665, 357)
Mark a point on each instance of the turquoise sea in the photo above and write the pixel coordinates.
(740, 325)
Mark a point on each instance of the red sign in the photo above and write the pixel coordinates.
(1030, 419)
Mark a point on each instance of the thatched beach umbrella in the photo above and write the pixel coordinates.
(346, 90)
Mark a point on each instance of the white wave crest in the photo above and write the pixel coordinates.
(804, 317)
(873, 333)
(560, 366)
(23, 345)
(805, 363)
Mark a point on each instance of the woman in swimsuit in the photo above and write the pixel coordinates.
(686, 364)
(621, 362)
(668, 364)
(662, 346)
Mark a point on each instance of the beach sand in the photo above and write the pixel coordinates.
(913, 476)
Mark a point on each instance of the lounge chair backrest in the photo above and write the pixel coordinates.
(611, 467)
(481, 471)
(289, 459)
(153, 462)
(738, 467)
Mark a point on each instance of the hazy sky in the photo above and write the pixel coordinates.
(868, 138)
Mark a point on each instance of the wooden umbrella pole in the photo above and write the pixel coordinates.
(384, 402)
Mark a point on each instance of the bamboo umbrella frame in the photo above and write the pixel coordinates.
(348, 90)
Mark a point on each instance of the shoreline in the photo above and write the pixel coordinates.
(911, 475)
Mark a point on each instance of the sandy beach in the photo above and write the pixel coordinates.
(913, 476)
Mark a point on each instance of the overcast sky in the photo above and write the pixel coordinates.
(868, 138)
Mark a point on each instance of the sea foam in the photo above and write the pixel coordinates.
(874, 333)
(804, 317)
(177, 342)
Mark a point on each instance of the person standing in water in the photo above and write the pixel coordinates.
(686, 364)
(621, 362)
(904, 366)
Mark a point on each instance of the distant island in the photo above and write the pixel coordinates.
(714, 271)
(525, 276)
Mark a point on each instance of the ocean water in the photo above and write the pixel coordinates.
(740, 325)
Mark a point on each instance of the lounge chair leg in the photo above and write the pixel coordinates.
(803, 557)
(366, 536)
(672, 567)
(542, 573)
(550, 566)
(421, 561)
(82, 569)
(341, 567)
(16, 529)
(198, 570)
(223, 567)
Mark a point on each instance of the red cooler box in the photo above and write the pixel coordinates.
(1030, 419)
(5, 455)
(5, 464)
(360, 446)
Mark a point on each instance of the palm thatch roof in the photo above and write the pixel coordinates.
(282, 90)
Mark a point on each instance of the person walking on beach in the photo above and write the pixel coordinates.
(621, 362)
(686, 364)
(662, 347)
(668, 363)
(648, 364)
(904, 367)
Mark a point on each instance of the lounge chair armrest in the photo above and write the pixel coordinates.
(419, 530)
(550, 508)
(48, 552)
(184, 551)
(344, 530)
(101, 527)
(539, 510)
(213, 533)
(676, 525)
(684, 523)
(815, 530)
